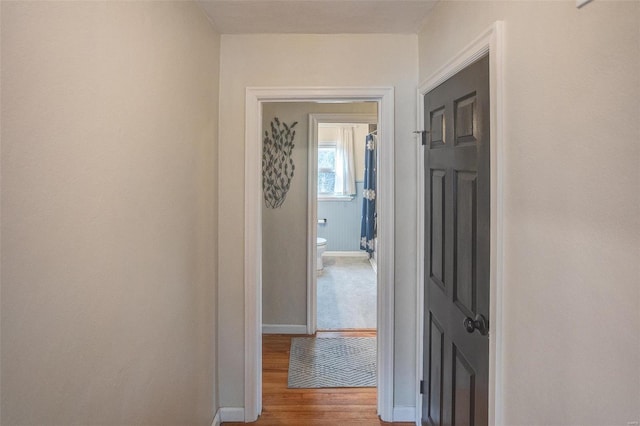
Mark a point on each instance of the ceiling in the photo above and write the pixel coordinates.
(317, 16)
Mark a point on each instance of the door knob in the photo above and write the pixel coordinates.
(480, 323)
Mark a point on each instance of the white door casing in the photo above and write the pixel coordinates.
(255, 96)
(491, 41)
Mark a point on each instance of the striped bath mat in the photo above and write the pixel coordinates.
(332, 362)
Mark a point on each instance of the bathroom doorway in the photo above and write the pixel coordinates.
(342, 272)
(258, 241)
(314, 158)
(291, 188)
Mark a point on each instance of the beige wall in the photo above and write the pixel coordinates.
(572, 202)
(312, 60)
(109, 113)
(284, 230)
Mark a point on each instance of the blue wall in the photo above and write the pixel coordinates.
(342, 229)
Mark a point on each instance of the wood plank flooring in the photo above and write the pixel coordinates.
(302, 407)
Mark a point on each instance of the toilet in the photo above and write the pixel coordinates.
(321, 246)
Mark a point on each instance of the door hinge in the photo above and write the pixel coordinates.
(423, 136)
(421, 387)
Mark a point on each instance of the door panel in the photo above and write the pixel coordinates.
(463, 377)
(456, 361)
(438, 126)
(465, 233)
(437, 226)
(466, 114)
(436, 356)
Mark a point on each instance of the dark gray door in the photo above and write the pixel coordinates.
(457, 183)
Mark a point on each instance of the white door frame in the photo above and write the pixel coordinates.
(490, 41)
(312, 205)
(255, 96)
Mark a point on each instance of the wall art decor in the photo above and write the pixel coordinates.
(277, 164)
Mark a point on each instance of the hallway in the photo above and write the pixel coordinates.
(131, 198)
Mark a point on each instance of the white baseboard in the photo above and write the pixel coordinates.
(404, 414)
(362, 254)
(231, 414)
(216, 420)
(284, 329)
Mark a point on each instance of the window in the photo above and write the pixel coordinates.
(336, 169)
(326, 168)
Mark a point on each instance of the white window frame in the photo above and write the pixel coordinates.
(331, 196)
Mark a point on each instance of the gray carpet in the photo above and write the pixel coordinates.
(332, 362)
(346, 294)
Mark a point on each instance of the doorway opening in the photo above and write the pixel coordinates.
(255, 100)
(342, 276)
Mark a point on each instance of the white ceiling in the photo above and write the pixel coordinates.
(317, 16)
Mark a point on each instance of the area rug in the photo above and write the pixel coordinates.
(332, 362)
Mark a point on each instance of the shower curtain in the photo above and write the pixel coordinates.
(368, 225)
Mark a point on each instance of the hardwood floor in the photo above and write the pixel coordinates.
(302, 407)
